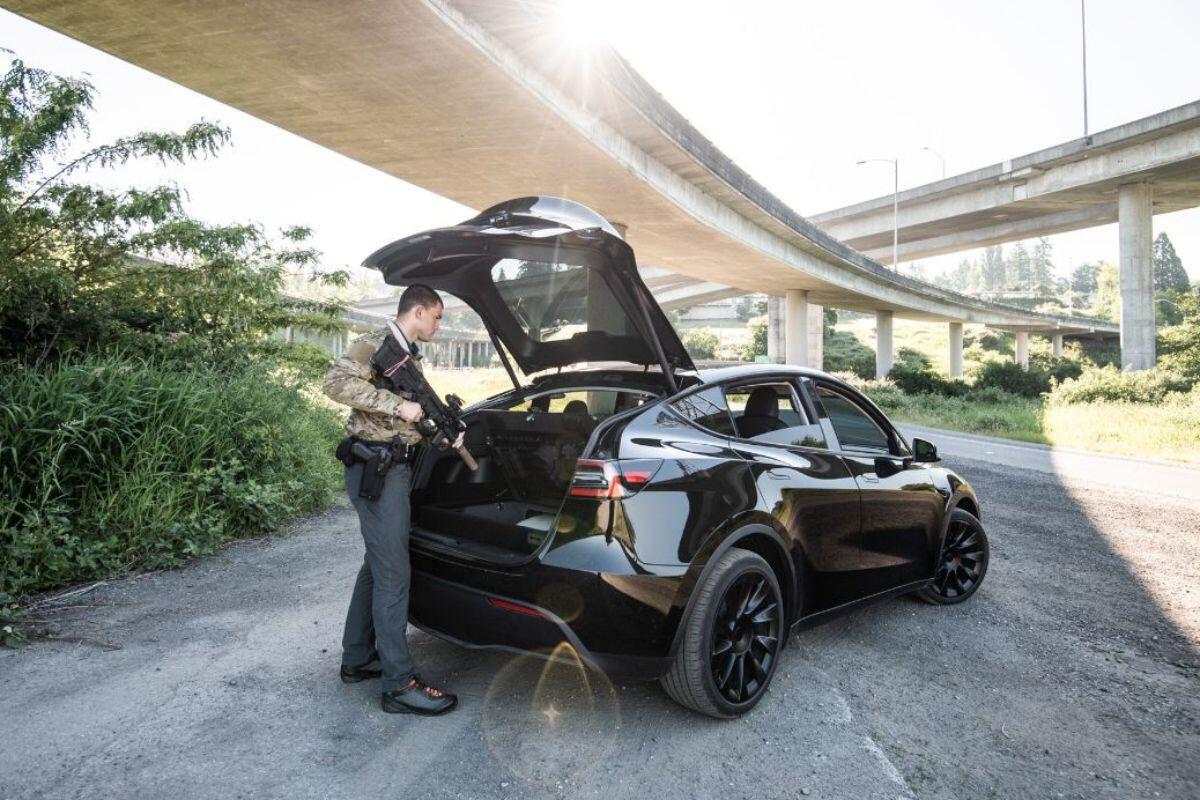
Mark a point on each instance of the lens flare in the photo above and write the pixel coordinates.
(533, 707)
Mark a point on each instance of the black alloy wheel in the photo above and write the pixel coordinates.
(731, 639)
(963, 562)
(745, 637)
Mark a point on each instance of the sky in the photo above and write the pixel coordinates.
(795, 92)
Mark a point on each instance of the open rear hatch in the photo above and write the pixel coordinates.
(555, 285)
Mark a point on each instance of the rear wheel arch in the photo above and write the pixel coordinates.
(757, 538)
(967, 504)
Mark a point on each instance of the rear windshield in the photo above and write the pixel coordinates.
(597, 403)
(554, 302)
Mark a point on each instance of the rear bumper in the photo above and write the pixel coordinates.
(622, 625)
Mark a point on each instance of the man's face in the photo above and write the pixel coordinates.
(428, 320)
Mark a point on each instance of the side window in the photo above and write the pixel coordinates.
(855, 430)
(706, 409)
(771, 412)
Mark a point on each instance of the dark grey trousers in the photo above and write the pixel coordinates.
(378, 616)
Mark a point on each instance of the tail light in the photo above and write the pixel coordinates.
(612, 479)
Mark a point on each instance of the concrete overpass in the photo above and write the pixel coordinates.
(1124, 174)
(480, 101)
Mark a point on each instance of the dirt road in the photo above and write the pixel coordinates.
(1073, 673)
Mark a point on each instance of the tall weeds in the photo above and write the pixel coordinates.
(109, 463)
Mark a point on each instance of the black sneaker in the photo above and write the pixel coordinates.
(418, 697)
(357, 674)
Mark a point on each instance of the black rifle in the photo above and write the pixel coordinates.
(442, 421)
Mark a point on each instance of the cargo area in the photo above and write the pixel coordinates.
(504, 510)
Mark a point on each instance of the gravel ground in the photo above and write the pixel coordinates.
(1072, 673)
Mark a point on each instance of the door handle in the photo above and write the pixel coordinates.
(778, 475)
(869, 478)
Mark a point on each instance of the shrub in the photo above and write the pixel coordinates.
(990, 341)
(1010, 377)
(109, 463)
(913, 359)
(991, 395)
(1109, 384)
(843, 352)
(915, 380)
(1058, 368)
(885, 394)
(758, 339)
(1179, 345)
(923, 380)
(701, 344)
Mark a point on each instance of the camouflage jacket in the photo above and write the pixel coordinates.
(374, 411)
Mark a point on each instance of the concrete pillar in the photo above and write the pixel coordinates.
(1022, 356)
(956, 348)
(774, 328)
(816, 336)
(796, 317)
(1056, 344)
(883, 343)
(1134, 223)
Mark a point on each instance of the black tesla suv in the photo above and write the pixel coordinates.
(663, 522)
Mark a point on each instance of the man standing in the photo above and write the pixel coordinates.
(375, 642)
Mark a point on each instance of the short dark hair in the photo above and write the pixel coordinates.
(417, 295)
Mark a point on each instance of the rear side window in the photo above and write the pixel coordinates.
(706, 409)
(771, 412)
(854, 428)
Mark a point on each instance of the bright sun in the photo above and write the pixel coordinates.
(587, 22)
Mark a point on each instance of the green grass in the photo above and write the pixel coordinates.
(1169, 430)
(117, 463)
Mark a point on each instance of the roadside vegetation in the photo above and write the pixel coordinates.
(147, 414)
(1081, 400)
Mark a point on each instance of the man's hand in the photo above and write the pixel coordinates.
(459, 441)
(410, 411)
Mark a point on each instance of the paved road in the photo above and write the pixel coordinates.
(1073, 673)
(1164, 478)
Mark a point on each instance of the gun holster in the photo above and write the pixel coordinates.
(376, 461)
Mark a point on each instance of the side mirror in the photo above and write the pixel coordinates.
(924, 452)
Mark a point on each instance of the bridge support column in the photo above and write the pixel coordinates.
(1134, 221)
(796, 349)
(1056, 345)
(956, 348)
(774, 330)
(816, 336)
(1022, 356)
(883, 344)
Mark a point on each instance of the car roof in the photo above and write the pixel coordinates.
(722, 374)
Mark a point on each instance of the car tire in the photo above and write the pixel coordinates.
(721, 639)
(962, 564)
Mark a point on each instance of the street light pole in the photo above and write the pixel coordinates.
(1083, 36)
(939, 155)
(895, 162)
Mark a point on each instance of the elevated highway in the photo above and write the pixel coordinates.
(1125, 174)
(480, 101)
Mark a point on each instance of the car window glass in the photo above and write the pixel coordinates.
(855, 430)
(706, 409)
(781, 420)
(554, 302)
(598, 403)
